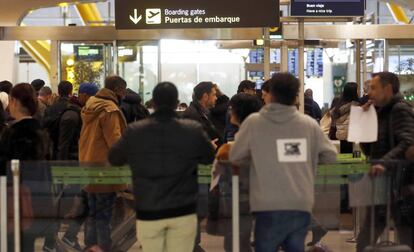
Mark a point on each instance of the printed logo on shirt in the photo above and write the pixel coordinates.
(292, 150)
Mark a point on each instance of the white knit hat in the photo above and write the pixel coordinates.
(4, 99)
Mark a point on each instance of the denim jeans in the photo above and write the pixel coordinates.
(286, 229)
(98, 224)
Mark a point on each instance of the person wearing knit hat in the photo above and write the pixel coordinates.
(4, 99)
(86, 90)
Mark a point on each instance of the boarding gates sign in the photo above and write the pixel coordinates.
(323, 8)
(178, 14)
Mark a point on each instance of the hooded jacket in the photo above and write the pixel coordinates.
(103, 125)
(283, 148)
(341, 118)
(132, 108)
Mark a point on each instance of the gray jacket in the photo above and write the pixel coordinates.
(283, 148)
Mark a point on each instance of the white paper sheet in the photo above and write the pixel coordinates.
(363, 125)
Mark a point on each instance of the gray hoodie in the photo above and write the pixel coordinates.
(283, 148)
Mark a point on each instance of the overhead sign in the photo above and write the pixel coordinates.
(327, 8)
(161, 14)
(88, 53)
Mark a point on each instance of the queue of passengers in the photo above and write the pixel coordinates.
(276, 148)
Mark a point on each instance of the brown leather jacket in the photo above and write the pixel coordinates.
(103, 125)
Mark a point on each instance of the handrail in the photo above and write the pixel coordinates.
(235, 210)
(16, 192)
(3, 213)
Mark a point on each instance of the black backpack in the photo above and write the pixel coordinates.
(51, 121)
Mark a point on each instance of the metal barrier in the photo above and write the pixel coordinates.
(16, 201)
(3, 213)
(64, 174)
(235, 210)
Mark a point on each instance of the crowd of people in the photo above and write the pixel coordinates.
(276, 148)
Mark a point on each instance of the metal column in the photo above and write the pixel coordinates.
(358, 64)
(159, 62)
(386, 55)
(301, 48)
(54, 64)
(115, 66)
(141, 90)
(266, 58)
(284, 57)
(364, 62)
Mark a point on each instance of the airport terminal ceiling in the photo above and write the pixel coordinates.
(52, 22)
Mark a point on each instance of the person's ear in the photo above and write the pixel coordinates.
(388, 89)
(205, 97)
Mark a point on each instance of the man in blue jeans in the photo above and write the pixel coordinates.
(283, 147)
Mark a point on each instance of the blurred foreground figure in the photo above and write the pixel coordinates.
(164, 152)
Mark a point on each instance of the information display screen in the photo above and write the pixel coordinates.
(127, 53)
(314, 63)
(161, 14)
(88, 53)
(317, 8)
(293, 62)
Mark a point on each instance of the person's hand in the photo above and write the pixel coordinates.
(366, 106)
(223, 152)
(376, 170)
(214, 143)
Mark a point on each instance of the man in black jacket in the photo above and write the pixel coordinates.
(395, 136)
(164, 152)
(63, 122)
(204, 98)
(312, 108)
(132, 108)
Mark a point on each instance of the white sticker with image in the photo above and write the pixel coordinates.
(292, 150)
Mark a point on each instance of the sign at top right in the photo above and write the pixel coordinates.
(324, 8)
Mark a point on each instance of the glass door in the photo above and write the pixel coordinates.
(138, 64)
(86, 62)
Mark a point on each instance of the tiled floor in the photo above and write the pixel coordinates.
(334, 241)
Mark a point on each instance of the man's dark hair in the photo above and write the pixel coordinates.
(202, 88)
(246, 84)
(165, 96)
(38, 84)
(387, 78)
(113, 82)
(266, 86)
(242, 105)
(65, 88)
(45, 91)
(284, 87)
(5, 86)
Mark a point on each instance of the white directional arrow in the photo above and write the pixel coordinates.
(135, 18)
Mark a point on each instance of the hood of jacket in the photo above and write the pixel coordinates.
(278, 113)
(346, 108)
(132, 97)
(105, 100)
